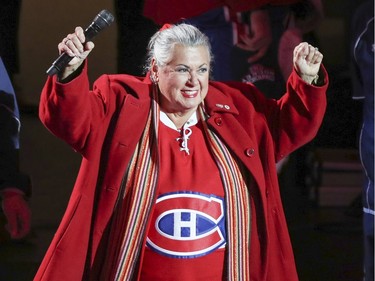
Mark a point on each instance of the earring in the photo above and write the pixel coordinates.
(154, 78)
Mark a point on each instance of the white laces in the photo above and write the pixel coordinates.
(185, 131)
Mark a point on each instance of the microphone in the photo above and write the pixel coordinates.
(101, 21)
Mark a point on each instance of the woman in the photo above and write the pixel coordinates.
(178, 178)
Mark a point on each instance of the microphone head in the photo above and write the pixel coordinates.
(104, 19)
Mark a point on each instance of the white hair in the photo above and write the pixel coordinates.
(163, 41)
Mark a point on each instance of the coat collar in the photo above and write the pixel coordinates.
(217, 101)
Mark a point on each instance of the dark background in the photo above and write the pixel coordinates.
(327, 240)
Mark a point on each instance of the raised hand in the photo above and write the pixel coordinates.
(307, 60)
(74, 45)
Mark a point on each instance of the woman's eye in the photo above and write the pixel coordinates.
(203, 70)
(182, 70)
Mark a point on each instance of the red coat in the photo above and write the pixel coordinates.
(105, 125)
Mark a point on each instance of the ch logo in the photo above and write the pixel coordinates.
(187, 225)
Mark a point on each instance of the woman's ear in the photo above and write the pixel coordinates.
(154, 65)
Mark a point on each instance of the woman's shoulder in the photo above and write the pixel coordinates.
(125, 83)
(127, 78)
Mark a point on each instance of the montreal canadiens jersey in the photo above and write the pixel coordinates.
(186, 237)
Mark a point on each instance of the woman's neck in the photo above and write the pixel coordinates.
(180, 118)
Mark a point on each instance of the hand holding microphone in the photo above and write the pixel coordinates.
(75, 47)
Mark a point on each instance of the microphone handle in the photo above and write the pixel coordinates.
(59, 64)
(62, 61)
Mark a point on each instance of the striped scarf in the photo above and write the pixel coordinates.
(237, 200)
(135, 204)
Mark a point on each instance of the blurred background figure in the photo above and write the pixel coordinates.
(362, 51)
(9, 26)
(264, 49)
(139, 19)
(15, 186)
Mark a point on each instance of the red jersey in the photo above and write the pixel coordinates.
(186, 238)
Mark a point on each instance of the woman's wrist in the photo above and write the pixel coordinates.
(310, 79)
(70, 73)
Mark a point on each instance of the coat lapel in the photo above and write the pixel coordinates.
(224, 121)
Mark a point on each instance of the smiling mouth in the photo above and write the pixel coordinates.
(190, 94)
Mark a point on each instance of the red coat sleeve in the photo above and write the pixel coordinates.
(69, 110)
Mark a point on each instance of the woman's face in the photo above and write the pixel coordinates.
(183, 82)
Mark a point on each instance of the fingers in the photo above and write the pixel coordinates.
(11, 225)
(308, 53)
(313, 56)
(317, 57)
(247, 43)
(253, 43)
(74, 44)
(19, 224)
(256, 45)
(307, 61)
(18, 215)
(23, 220)
(257, 56)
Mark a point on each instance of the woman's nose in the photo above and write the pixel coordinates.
(193, 77)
